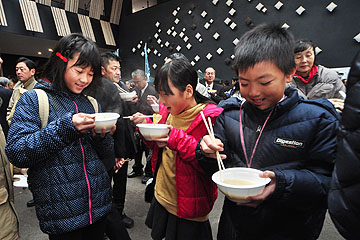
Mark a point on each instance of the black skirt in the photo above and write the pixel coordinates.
(166, 225)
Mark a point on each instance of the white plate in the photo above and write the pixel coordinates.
(22, 182)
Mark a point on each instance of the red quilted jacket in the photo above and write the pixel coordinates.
(196, 192)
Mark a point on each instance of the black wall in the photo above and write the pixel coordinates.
(333, 32)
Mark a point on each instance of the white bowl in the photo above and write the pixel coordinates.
(152, 131)
(105, 120)
(239, 183)
(128, 96)
(155, 107)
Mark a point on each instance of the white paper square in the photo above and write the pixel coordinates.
(189, 12)
(232, 12)
(154, 66)
(184, 29)
(159, 54)
(178, 48)
(331, 7)
(259, 6)
(157, 24)
(162, 45)
(174, 34)
(142, 54)
(174, 13)
(133, 50)
(235, 42)
(139, 46)
(181, 34)
(192, 63)
(211, 20)
(186, 38)
(318, 50)
(357, 37)
(229, 2)
(207, 25)
(215, 2)
(208, 56)
(168, 31)
(203, 14)
(159, 41)
(188, 46)
(198, 35)
(167, 44)
(156, 35)
(155, 51)
(200, 39)
(285, 26)
(172, 28)
(232, 57)
(216, 36)
(233, 25)
(178, 8)
(176, 21)
(148, 50)
(300, 10)
(159, 30)
(197, 58)
(141, 42)
(264, 10)
(227, 21)
(219, 50)
(278, 5)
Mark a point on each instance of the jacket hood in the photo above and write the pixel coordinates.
(230, 103)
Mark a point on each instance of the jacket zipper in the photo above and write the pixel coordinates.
(86, 176)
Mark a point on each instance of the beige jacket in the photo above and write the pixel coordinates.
(19, 89)
(9, 224)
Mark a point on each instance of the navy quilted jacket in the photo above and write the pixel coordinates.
(298, 144)
(69, 183)
(344, 196)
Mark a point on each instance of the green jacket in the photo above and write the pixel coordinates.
(9, 224)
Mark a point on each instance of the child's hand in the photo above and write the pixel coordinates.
(118, 164)
(103, 132)
(137, 118)
(135, 99)
(83, 122)
(255, 201)
(162, 142)
(208, 148)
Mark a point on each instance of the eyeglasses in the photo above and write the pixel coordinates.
(21, 69)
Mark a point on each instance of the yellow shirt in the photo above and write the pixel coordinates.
(165, 187)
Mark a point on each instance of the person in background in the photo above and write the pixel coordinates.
(143, 89)
(311, 80)
(9, 223)
(184, 195)
(13, 81)
(25, 71)
(291, 139)
(5, 95)
(110, 101)
(343, 201)
(70, 185)
(212, 88)
(4, 82)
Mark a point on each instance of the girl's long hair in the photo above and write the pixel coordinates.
(65, 50)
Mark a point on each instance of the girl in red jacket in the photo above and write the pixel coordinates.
(184, 194)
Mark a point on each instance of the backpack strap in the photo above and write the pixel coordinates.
(94, 103)
(43, 101)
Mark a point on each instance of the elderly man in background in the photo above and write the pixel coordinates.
(212, 88)
(143, 89)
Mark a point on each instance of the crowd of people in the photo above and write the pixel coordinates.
(78, 177)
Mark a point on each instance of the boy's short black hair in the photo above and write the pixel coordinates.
(266, 42)
(108, 56)
(29, 63)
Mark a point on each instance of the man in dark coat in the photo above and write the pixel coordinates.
(143, 89)
(213, 88)
(343, 201)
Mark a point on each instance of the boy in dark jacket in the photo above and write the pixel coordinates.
(293, 139)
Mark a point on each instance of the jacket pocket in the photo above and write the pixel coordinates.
(4, 195)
